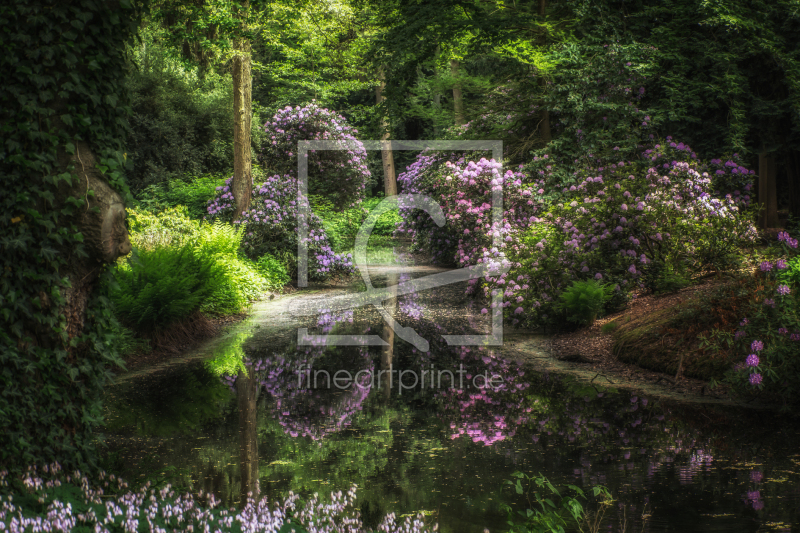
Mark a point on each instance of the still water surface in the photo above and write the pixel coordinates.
(238, 412)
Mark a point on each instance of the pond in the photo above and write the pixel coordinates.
(243, 414)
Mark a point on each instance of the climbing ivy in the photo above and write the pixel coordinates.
(62, 66)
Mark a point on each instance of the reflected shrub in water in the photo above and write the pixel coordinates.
(52, 500)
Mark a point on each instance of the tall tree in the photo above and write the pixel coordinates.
(241, 75)
(387, 156)
(63, 118)
(458, 97)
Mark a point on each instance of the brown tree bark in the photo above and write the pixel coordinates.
(458, 98)
(767, 191)
(246, 395)
(544, 124)
(387, 155)
(242, 186)
(793, 176)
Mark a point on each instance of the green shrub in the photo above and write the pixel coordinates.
(170, 227)
(342, 226)
(551, 512)
(791, 274)
(584, 300)
(180, 266)
(158, 286)
(191, 192)
(274, 271)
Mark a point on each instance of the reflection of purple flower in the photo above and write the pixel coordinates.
(756, 476)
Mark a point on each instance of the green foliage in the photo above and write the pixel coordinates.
(180, 266)
(182, 122)
(610, 327)
(274, 271)
(62, 65)
(342, 226)
(192, 192)
(584, 300)
(791, 274)
(662, 279)
(159, 286)
(547, 515)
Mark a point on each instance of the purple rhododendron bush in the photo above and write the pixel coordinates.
(271, 226)
(767, 340)
(52, 500)
(339, 176)
(625, 223)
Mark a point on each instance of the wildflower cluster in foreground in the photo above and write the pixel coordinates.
(68, 502)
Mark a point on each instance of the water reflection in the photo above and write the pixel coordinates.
(252, 416)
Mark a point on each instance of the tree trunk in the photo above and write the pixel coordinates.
(458, 99)
(767, 193)
(544, 124)
(242, 185)
(793, 175)
(387, 155)
(246, 393)
(437, 96)
(105, 236)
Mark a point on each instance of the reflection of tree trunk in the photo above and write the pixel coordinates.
(248, 442)
(389, 180)
(242, 94)
(767, 193)
(387, 352)
(458, 99)
(544, 125)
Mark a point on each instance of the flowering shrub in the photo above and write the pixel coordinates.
(627, 219)
(52, 500)
(619, 222)
(768, 337)
(464, 192)
(271, 225)
(339, 175)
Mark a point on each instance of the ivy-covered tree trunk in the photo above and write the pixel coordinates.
(101, 225)
(63, 111)
(458, 97)
(242, 185)
(387, 155)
